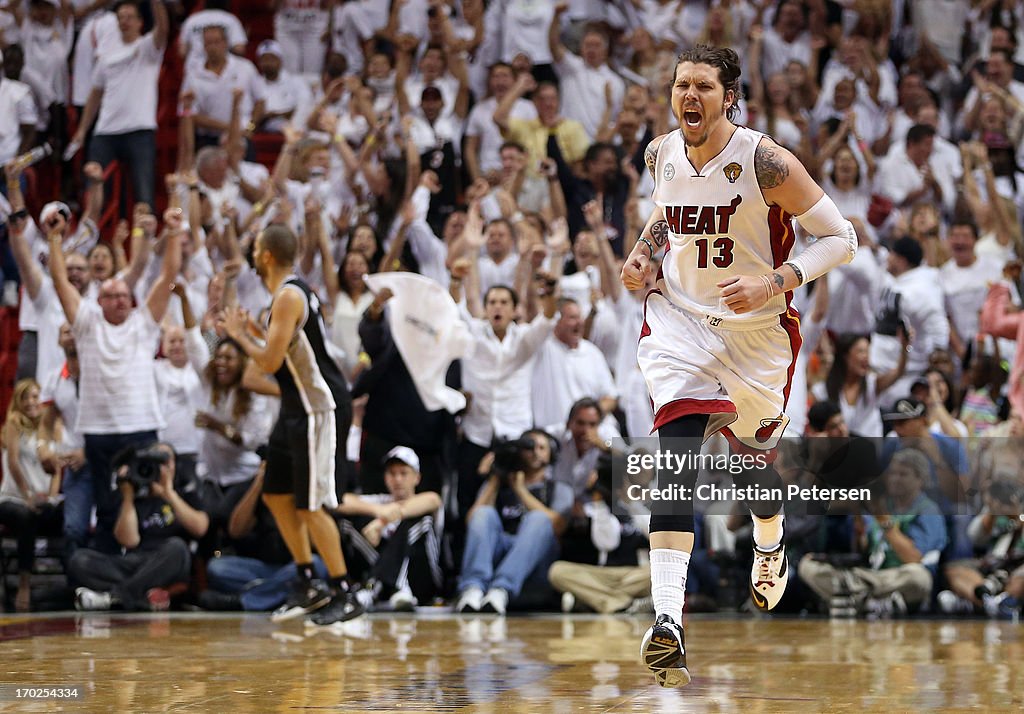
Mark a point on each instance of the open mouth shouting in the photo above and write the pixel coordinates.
(692, 117)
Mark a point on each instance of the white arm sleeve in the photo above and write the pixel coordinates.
(836, 244)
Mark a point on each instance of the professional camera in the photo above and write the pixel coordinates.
(143, 466)
(509, 457)
(604, 485)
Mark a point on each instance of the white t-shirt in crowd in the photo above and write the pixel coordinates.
(99, 34)
(117, 392)
(16, 108)
(965, 290)
(213, 92)
(583, 91)
(61, 390)
(46, 51)
(562, 375)
(526, 24)
(128, 77)
(481, 124)
(289, 93)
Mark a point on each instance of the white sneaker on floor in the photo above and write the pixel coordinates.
(952, 604)
(403, 600)
(86, 599)
(495, 601)
(470, 600)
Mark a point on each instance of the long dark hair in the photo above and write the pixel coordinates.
(243, 397)
(345, 288)
(837, 374)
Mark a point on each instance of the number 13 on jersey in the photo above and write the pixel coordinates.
(719, 250)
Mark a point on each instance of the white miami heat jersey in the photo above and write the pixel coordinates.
(719, 226)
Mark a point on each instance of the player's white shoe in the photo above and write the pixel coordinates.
(664, 653)
(769, 576)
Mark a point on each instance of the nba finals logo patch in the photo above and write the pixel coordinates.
(768, 427)
(732, 171)
(670, 172)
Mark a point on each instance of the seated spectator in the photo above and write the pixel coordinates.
(28, 495)
(392, 537)
(947, 456)
(902, 548)
(585, 439)
(153, 529)
(260, 574)
(513, 531)
(993, 584)
(603, 571)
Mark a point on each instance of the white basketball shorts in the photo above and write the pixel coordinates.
(739, 374)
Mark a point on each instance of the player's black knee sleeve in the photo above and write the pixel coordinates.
(675, 523)
(685, 434)
(763, 479)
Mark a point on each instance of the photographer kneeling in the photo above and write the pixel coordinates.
(152, 526)
(514, 524)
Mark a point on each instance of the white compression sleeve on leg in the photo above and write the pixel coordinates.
(836, 244)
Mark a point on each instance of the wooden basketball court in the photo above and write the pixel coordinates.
(441, 663)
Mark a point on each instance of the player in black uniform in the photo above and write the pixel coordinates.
(305, 456)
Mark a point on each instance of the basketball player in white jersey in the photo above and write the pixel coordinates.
(719, 338)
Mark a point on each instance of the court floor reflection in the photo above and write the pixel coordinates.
(440, 663)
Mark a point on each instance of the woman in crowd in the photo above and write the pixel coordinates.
(854, 387)
(349, 306)
(28, 494)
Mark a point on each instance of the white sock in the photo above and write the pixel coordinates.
(768, 532)
(668, 582)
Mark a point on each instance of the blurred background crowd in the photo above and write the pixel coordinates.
(496, 150)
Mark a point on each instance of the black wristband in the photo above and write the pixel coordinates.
(796, 269)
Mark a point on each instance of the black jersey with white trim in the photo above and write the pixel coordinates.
(309, 379)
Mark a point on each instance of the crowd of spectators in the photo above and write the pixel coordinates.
(496, 148)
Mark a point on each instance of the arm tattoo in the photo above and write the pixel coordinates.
(770, 166)
(779, 280)
(659, 233)
(651, 158)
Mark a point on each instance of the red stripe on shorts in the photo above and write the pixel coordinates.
(790, 321)
(684, 407)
